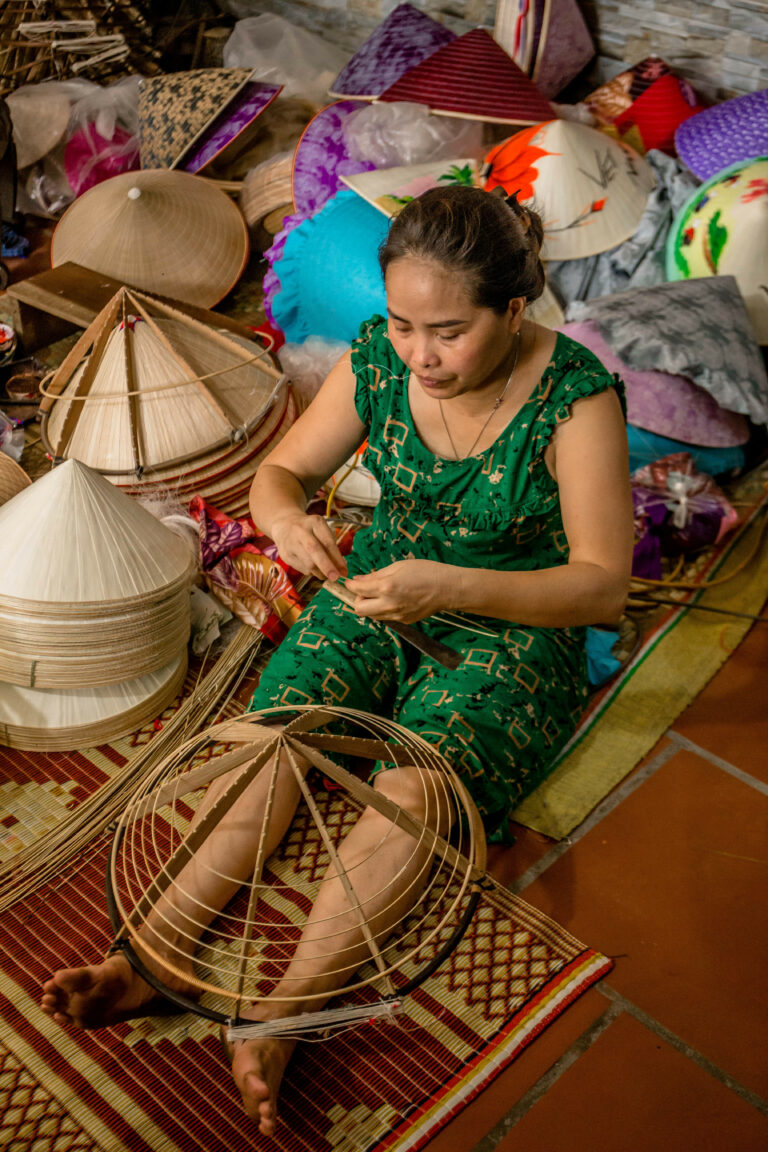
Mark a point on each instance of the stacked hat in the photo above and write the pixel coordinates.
(400, 42)
(94, 605)
(725, 134)
(161, 231)
(591, 191)
(548, 39)
(723, 230)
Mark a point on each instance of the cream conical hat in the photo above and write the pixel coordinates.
(162, 231)
(546, 310)
(39, 114)
(590, 190)
(41, 719)
(13, 478)
(389, 189)
(72, 538)
(157, 387)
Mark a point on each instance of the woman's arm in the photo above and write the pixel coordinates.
(323, 437)
(589, 461)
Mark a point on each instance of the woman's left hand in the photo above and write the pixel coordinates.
(408, 590)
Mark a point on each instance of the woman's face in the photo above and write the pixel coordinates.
(450, 344)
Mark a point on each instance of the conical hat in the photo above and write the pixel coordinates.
(157, 387)
(724, 134)
(51, 720)
(390, 189)
(400, 42)
(13, 478)
(224, 129)
(722, 230)
(160, 231)
(320, 157)
(546, 310)
(39, 114)
(472, 76)
(174, 110)
(591, 191)
(548, 39)
(71, 538)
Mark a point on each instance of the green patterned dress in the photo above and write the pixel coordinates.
(505, 713)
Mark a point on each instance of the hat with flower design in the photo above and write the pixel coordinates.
(724, 134)
(723, 230)
(590, 191)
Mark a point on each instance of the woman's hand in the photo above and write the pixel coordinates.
(407, 591)
(308, 544)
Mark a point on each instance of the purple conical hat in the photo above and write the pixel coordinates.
(322, 157)
(724, 134)
(671, 406)
(402, 41)
(548, 39)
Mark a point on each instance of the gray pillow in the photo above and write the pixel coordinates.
(694, 328)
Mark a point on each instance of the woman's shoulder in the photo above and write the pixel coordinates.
(574, 372)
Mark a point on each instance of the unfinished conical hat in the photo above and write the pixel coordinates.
(548, 39)
(589, 189)
(13, 478)
(400, 42)
(51, 720)
(473, 77)
(175, 110)
(390, 189)
(72, 538)
(40, 115)
(722, 230)
(157, 387)
(161, 231)
(724, 134)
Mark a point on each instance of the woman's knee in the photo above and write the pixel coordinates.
(422, 793)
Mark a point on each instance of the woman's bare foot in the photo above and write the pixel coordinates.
(103, 994)
(257, 1069)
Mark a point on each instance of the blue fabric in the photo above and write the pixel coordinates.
(645, 447)
(601, 663)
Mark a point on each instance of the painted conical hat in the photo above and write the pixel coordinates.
(722, 230)
(46, 719)
(229, 124)
(174, 110)
(390, 189)
(157, 387)
(590, 190)
(403, 40)
(13, 478)
(472, 76)
(71, 539)
(160, 231)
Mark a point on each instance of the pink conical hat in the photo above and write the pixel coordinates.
(473, 77)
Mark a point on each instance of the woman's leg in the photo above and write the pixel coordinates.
(388, 870)
(101, 994)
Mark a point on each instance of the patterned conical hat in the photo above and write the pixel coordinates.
(590, 190)
(473, 77)
(400, 42)
(174, 110)
(320, 157)
(245, 107)
(724, 134)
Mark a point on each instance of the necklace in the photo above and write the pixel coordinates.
(494, 409)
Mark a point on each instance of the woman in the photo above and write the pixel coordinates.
(502, 458)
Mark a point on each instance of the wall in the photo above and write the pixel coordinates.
(721, 46)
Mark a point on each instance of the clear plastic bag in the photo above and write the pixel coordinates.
(389, 135)
(308, 364)
(281, 53)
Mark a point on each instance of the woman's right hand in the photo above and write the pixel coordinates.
(308, 544)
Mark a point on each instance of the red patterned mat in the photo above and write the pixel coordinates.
(163, 1085)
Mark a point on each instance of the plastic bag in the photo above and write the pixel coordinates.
(281, 53)
(308, 364)
(388, 135)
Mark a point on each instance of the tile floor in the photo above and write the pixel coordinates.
(670, 878)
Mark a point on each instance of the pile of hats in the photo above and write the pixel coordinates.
(94, 592)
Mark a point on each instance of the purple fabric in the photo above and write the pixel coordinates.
(724, 134)
(658, 535)
(227, 126)
(649, 517)
(400, 42)
(564, 48)
(271, 284)
(667, 405)
(321, 157)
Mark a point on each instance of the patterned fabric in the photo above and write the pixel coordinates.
(694, 328)
(504, 714)
(174, 109)
(404, 39)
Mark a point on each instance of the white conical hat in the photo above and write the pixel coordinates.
(41, 719)
(389, 189)
(157, 387)
(162, 231)
(589, 189)
(72, 539)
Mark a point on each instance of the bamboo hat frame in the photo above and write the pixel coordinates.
(158, 230)
(146, 864)
(147, 387)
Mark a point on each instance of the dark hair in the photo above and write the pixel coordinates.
(494, 242)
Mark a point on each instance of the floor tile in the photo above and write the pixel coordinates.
(632, 1092)
(506, 864)
(479, 1117)
(730, 717)
(672, 884)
